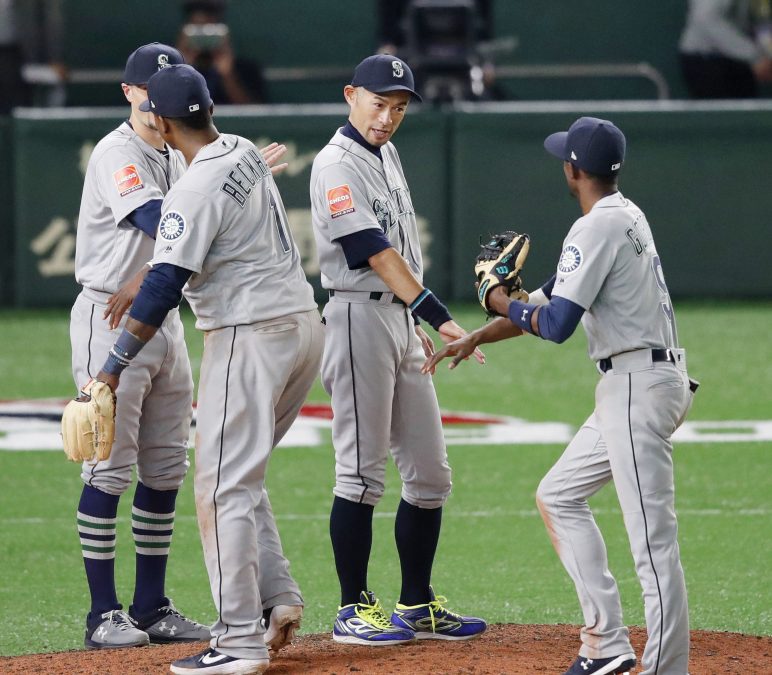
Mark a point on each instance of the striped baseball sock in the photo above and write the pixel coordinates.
(152, 522)
(96, 528)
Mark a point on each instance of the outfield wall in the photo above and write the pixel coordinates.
(700, 171)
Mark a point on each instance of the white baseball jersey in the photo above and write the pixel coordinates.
(352, 190)
(211, 223)
(610, 267)
(124, 172)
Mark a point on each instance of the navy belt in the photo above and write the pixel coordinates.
(657, 355)
(375, 295)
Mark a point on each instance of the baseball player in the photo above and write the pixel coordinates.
(223, 236)
(128, 174)
(610, 277)
(366, 235)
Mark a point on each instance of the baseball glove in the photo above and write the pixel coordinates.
(499, 264)
(88, 423)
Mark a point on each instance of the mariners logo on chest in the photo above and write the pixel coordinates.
(172, 226)
(383, 214)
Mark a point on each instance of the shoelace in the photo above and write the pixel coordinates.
(374, 615)
(436, 607)
(171, 609)
(119, 619)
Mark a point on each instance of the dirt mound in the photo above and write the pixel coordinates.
(503, 650)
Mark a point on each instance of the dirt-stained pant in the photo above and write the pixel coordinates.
(638, 406)
(254, 379)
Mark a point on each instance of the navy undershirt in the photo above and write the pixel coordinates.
(557, 320)
(161, 292)
(146, 217)
(349, 131)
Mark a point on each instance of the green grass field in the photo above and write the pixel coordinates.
(494, 557)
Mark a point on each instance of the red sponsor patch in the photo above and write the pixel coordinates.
(340, 201)
(127, 180)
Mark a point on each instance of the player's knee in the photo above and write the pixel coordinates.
(168, 476)
(427, 495)
(361, 494)
(546, 495)
(112, 483)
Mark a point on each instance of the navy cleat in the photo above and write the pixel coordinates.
(612, 665)
(432, 621)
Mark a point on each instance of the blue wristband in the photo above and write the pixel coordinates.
(427, 307)
(520, 314)
(126, 347)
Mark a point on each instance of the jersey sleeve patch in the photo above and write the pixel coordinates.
(172, 226)
(571, 259)
(127, 180)
(340, 201)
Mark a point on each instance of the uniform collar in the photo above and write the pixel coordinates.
(222, 145)
(349, 131)
(356, 149)
(610, 201)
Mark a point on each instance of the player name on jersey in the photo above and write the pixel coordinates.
(249, 170)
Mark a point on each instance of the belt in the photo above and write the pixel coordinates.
(373, 295)
(657, 355)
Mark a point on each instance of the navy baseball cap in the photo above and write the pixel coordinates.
(383, 73)
(176, 91)
(590, 143)
(147, 60)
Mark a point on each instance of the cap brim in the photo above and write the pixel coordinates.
(555, 144)
(396, 87)
(145, 105)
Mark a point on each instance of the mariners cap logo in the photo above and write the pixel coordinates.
(397, 69)
(163, 61)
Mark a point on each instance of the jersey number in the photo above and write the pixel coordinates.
(281, 226)
(659, 275)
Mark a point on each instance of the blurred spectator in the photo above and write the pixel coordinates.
(723, 53)
(204, 41)
(445, 43)
(31, 33)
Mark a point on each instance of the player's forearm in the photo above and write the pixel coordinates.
(500, 328)
(393, 269)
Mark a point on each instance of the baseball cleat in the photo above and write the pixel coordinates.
(615, 665)
(113, 630)
(212, 662)
(432, 621)
(283, 624)
(365, 623)
(166, 624)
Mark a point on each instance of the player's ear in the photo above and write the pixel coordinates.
(350, 94)
(126, 91)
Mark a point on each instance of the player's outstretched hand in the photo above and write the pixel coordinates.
(426, 342)
(450, 331)
(460, 350)
(273, 153)
(121, 300)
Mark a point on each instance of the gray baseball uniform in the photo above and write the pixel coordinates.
(155, 404)
(225, 221)
(609, 266)
(372, 358)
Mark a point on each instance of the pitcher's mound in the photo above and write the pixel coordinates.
(502, 650)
